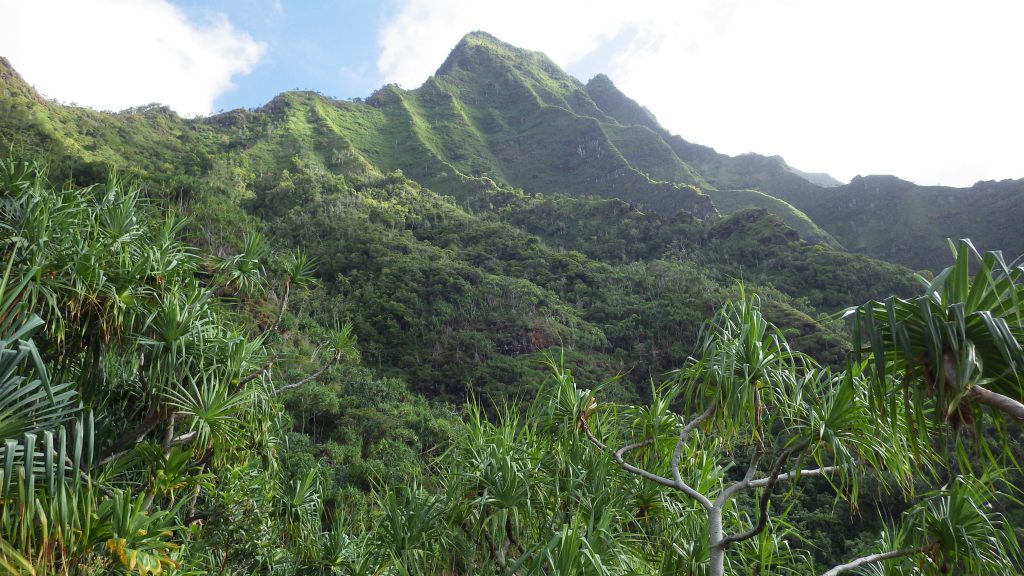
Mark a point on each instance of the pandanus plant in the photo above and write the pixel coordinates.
(956, 350)
(54, 514)
(755, 404)
(131, 331)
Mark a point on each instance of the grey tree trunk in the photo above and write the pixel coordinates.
(717, 567)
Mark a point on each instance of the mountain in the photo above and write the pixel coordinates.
(820, 178)
(902, 222)
(513, 116)
(494, 115)
(500, 212)
(461, 238)
(504, 184)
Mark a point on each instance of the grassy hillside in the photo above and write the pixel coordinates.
(733, 201)
(906, 223)
(497, 116)
(454, 279)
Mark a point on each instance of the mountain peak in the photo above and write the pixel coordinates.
(462, 52)
(480, 35)
(480, 48)
(879, 181)
(617, 105)
(10, 78)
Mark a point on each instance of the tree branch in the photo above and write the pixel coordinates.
(677, 480)
(1004, 404)
(133, 437)
(741, 484)
(168, 443)
(880, 557)
(168, 435)
(766, 497)
(87, 478)
(183, 439)
(618, 456)
(762, 482)
(281, 309)
(590, 435)
(677, 454)
(313, 376)
(621, 452)
(255, 374)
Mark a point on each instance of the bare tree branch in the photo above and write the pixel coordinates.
(87, 478)
(1004, 404)
(654, 477)
(618, 456)
(766, 496)
(313, 376)
(282, 308)
(684, 437)
(133, 437)
(590, 435)
(762, 482)
(677, 481)
(169, 434)
(621, 452)
(865, 560)
(741, 484)
(255, 373)
(183, 439)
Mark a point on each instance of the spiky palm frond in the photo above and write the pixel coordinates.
(953, 529)
(213, 412)
(29, 402)
(962, 336)
(744, 369)
(245, 271)
(140, 540)
(300, 269)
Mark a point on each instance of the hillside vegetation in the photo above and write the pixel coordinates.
(412, 205)
(329, 336)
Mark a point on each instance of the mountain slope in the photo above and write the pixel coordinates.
(729, 195)
(468, 282)
(496, 116)
(902, 222)
(882, 216)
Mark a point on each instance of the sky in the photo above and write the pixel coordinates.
(929, 90)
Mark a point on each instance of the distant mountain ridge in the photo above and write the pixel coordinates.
(494, 115)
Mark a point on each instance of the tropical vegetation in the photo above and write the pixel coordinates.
(501, 324)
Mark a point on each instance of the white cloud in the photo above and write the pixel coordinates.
(115, 54)
(929, 90)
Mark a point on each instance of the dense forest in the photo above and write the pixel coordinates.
(501, 324)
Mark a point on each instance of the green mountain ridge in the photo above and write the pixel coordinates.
(456, 271)
(494, 115)
(519, 154)
(903, 222)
